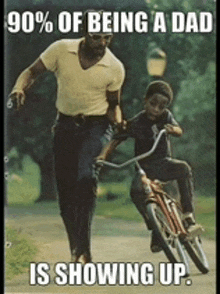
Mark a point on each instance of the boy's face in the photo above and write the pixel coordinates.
(155, 106)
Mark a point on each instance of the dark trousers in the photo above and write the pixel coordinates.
(166, 169)
(75, 147)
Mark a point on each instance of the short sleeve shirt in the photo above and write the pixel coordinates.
(82, 90)
(145, 132)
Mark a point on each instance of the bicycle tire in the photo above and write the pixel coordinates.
(196, 252)
(169, 242)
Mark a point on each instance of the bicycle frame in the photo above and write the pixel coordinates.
(169, 208)
(166, 203)
(136, 158)
(156, 197)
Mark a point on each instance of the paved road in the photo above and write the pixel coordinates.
(113, 241)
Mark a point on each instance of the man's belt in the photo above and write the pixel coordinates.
(79, 119)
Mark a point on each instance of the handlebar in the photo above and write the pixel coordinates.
(136, 158)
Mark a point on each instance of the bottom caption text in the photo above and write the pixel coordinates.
(123, 274)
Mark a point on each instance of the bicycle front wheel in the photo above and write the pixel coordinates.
(196, 252)
(167, 239)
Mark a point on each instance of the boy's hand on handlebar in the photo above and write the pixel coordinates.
(169, 129)
(173, 130)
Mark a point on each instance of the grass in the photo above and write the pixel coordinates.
(113, 199)
(23, 185)
(205, 215)
(119, 204)
(113, 202)
(18, 253)
(123, 208)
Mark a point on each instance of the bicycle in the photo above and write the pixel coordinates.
(163, 213)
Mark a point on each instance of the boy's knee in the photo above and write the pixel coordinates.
(186, 170)
(136, 192)
(134, 196)
(137, 196)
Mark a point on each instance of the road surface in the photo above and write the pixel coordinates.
(113, 241)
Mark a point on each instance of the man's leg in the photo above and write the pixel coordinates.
(86, 185)
(66, 148)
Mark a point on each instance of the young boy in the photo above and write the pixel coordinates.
(144, 128)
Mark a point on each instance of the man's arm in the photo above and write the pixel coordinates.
(25, 81)
(115, 116)
(114, 111)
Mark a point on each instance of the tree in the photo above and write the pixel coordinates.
(30, 131)
(195, 109)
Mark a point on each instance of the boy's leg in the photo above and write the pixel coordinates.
(169, 169)
(139, 198)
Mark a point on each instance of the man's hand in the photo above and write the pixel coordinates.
(24, 81)
(16, 100)
(120, 127)
(173, 130)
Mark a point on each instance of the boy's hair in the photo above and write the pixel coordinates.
(159, 87)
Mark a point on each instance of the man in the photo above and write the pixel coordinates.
(89, 79)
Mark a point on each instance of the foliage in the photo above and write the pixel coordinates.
(189, 57)
(23, 185)
(120, 207)
(195, 109)
(19, 251)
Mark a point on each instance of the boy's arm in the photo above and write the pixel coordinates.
(108, 149)
(174, 130)
(120, 135)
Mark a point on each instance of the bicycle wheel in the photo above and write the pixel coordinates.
(196, 252)
(168, 240)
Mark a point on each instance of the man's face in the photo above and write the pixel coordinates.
(98, 42)
(155, 106)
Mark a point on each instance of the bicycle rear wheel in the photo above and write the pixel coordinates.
(196, 252)
(167, 239)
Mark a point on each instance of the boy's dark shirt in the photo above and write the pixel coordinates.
(145, 131)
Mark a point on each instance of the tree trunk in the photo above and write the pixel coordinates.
(48, 190)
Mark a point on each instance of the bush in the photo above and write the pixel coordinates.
(18, 253)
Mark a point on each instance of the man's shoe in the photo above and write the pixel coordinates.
(155, 246)
(86, 258)
(74, 256)
(82, 258)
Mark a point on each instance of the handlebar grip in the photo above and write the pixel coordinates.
(107, 150)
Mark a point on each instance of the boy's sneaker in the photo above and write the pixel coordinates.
(155, 246)
(192, 228)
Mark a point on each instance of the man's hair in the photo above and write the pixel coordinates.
(159, 87)
(85, 19)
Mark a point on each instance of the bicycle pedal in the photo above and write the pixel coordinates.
(194, 231)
